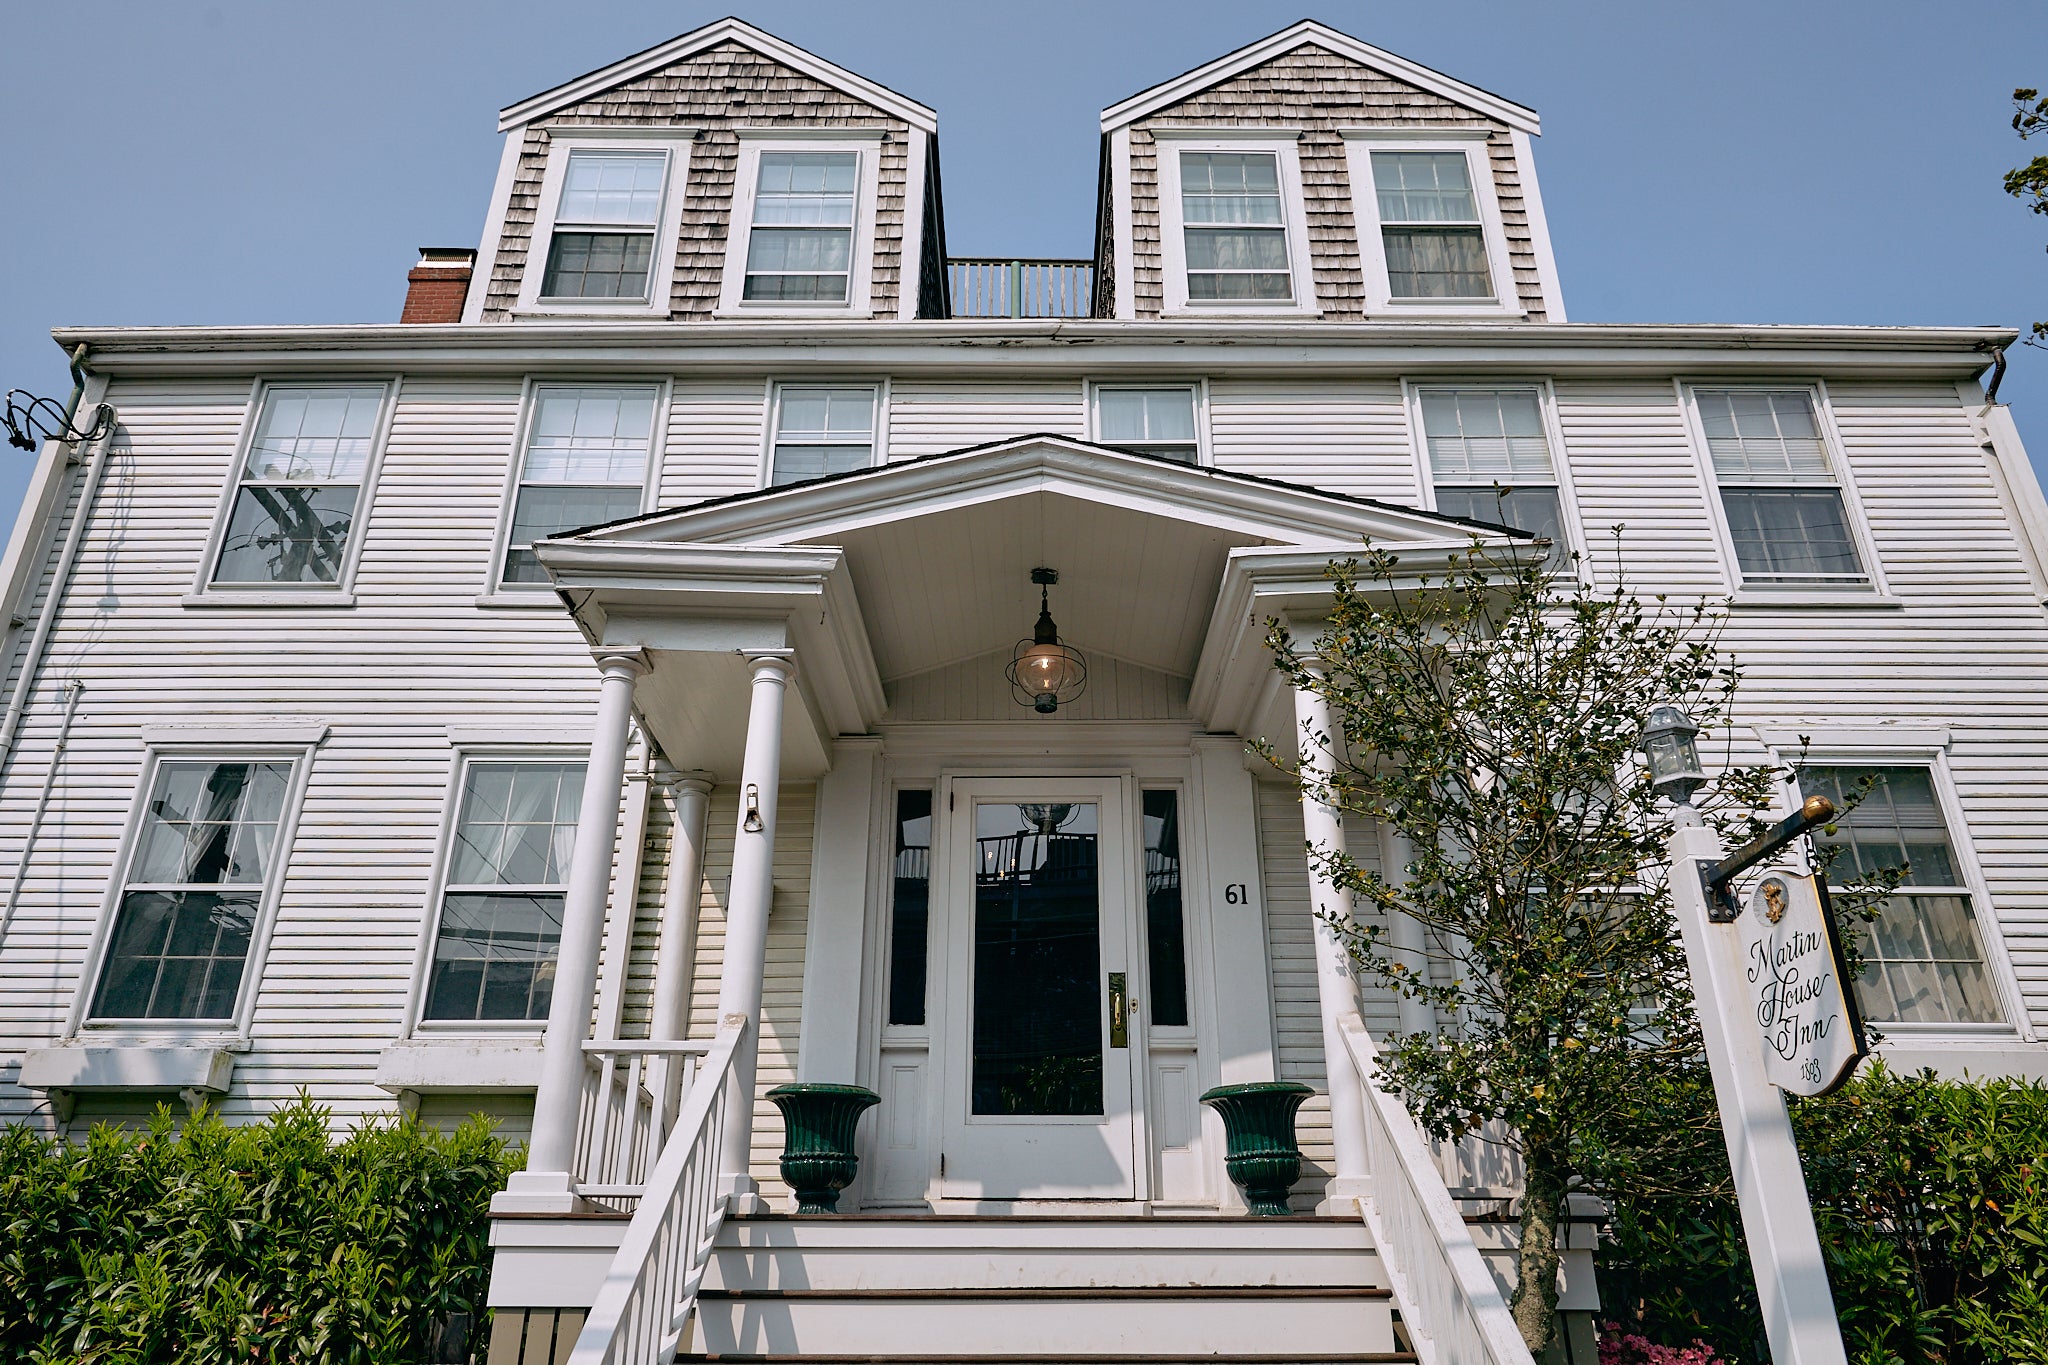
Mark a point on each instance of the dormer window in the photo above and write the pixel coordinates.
(801, 247)
(606, 224)
(803, 214)
(1232, 227)
(1429, 225)
(603, 243)
(1230, 213)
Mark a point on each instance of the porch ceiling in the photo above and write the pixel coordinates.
(956, 584)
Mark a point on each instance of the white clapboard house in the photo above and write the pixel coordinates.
(587, 701)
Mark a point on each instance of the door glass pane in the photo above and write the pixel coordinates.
(1165, 938)
(910, 920)
(1037, 959)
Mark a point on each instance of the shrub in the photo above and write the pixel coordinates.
(272, 1241)
(1930, 1204)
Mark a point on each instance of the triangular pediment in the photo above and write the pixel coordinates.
(1310, 33)
(1239, 509)
(687, 45)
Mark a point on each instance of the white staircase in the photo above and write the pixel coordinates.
(872, 1287)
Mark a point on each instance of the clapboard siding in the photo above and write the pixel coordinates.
(1346, 436)
(1315, 92)
(718, 90)
(930, 415)
(1290, 947)
(782, 982)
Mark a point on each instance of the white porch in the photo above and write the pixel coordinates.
(799, 658)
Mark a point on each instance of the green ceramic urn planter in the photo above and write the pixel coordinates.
(818, 1120)
(1259, 1147)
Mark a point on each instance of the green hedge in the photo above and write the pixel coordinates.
(1932, 1209)
(274, 1241)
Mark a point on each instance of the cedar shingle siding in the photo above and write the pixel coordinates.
(717, 90)
(1317, 91)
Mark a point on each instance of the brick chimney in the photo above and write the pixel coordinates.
(437, 286)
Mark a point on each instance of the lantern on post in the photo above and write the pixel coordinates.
(1667, 745)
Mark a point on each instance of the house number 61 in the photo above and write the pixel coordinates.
(1236, 894)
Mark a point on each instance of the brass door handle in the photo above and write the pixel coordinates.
(1119, 1010)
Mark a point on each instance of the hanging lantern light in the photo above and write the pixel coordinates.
(1043, 672)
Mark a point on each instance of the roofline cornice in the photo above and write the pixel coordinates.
(959, 346)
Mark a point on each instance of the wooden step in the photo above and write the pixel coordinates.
(1030, 1324)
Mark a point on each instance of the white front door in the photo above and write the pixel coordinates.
(1038, 1026)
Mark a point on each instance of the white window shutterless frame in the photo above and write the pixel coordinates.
(1786, 515)
(1229, 207)
(792, 193)
(290, 526)
(1169, 420)
(1939, 960)
(820, 428)
(189, 913)
(1492, 451)
(1430, 235)
(584, 454)
(608, 220)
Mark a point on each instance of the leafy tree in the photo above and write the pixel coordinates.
(2029, 183)
(1490, 713)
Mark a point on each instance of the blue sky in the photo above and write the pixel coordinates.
(1811, 162)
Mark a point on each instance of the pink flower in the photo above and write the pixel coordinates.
(1631, 1348)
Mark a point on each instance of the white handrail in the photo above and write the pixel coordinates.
(631, 1093)
(651, 1288)
(1448, 1300)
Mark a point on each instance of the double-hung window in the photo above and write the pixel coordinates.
(1155, 421)
(1431, 233)
(585, 462)
(1788, 521)
(1923, 959)
(501, 910)
(295, 505)
(606, 221)
(204, 855)
(1490, 460)
(800, 243)
(821, 429)
(1234, 227)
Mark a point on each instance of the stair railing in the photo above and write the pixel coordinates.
(1449, 1302)
(651, 1289)
(632, 1090)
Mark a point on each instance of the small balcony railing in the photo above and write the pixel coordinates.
(991, 287)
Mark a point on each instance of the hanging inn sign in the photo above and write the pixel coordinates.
(1792, 961)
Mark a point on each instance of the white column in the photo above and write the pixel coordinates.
(1336, 987)
(1770, 1188)
(1404, 932)
(544, 1186)
(676, 954)
(748, 902)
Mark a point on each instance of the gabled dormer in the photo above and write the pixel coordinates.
(1310, 175)
(725, 173)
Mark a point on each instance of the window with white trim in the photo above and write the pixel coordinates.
(820, 430)
(1787, 518)
(1431, 231)
(606, 222)
(1490, 460)
(501, 908)
(585, 462)
(800, 240)
(1923, 957)
(1154, 421)
(295, 504)
(203, 858)
(1234, 227)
